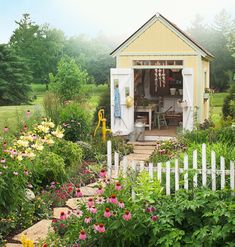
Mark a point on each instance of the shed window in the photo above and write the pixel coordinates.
(157, 62)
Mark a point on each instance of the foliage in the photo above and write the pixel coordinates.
(52, 106)
(41, 46)
(111, 218)
(216, 38)
(24, 216)
(15, 78)
(71, 153)
(48, 167)
(167, 150)
(92, 55)
(75, 121)
(69, 78)
(229, 104)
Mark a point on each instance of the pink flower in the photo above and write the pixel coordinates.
(99, 200)
(150, 209)
(121, 204)
(79, 213)
(90, 202)
(5, 129)
(26, 172)
(127, 215)
(102, 173)
(13, 152)
(100, 191)
(28, 113)
(3, 160)
(113, 199)
(4, 144)
(15, 173)
(87, 220)
(25, 127)
(96, 227)
(78, 192)
(82, 235)
(107, 213)
(101, 228)
(63, 216)
(118, 186)
(154, 218)
(93, 210)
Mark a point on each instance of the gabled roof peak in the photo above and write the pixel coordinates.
(174, 27)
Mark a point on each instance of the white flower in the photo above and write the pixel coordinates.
(22, 143)
(58, 133)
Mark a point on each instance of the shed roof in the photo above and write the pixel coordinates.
(174, 28)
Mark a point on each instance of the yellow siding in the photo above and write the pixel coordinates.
(158, 38)
(205, 84)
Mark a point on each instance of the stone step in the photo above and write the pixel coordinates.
(73, 202)
(149, 143)
(36, 232)
(13, 245)
(144, 148)
(138, 157)
(57, 211)
(88, 191)
(136, 151)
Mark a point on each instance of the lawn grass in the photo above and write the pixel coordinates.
(11, 116)
(216, 103)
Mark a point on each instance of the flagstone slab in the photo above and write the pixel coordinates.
(88, 191)
(144, 148)
(36, 232)
(73, 202)
(57, 211)
(137, 151)
(13, 245)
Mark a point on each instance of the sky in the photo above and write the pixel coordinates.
(114, 18)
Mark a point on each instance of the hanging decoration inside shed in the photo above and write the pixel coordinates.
(160, 78)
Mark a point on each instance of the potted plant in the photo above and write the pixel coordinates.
(182, 103)
(172, 90)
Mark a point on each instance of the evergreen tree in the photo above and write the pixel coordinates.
(15, 78)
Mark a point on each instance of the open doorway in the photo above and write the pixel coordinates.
(158, 97)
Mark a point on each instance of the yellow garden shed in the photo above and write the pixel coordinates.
(161, 78)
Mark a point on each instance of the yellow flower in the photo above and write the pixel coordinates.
(43, 128)
(58, 132)
(19, 157)
(38, 146)
(22, 143)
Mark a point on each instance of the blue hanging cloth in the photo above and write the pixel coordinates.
(117, 107)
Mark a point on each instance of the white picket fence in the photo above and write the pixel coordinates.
(173, 166)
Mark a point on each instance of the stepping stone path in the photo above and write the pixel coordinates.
(142, 151)
(41, 229)
(35, 232)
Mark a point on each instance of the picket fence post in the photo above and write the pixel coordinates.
(204, 172)
(186, 171)
(222, 172)
(232, 185)
(159, 172)
(109, 158)
(195, 168)
(168, 178)
(176, 175)
(151, 171)
(133, 166)
(213, 171)
(124, 166)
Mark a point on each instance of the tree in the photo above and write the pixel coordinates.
(92, 55)
(40, 46)
(69, 79)
(15, 78)
(215, 38)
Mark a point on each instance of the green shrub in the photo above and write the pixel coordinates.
(48, 167)
(76, 122)
(228, 108)
(52, 106)
(198, 217)
(70, 152)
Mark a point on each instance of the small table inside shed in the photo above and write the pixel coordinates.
(148, 109)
